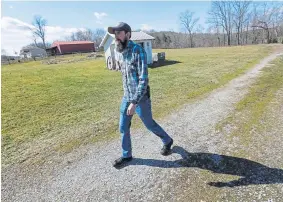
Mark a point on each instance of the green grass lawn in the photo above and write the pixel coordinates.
(250, 117)
(56, 108)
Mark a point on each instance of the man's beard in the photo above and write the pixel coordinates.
(121, 45)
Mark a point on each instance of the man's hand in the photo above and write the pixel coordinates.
(131, 109)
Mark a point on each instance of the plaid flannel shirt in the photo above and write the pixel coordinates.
(133, 65)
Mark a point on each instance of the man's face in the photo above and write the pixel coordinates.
(121, 39)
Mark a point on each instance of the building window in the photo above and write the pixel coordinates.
(147, 43)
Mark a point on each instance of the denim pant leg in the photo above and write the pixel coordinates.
(124, 127)
(144, 112)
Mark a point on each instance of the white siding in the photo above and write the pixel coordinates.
(37, 52)
(107, 44)
(147, 48)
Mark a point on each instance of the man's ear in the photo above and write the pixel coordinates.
(128, 34)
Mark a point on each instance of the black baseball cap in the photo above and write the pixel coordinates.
(122, 26)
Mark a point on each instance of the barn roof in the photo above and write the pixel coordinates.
(136, 36)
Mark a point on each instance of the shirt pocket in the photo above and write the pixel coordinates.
(131, 63)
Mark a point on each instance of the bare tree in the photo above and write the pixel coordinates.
(226, 25)
(87, 35)
(83, 35)
(177, 41)
(189, 22)
(157, 42)
(72, 37)
(98, 35)
(216, 28)
(221, 15)
(39, 45)
(267, 17)
(277, 21)
(254, 17)
(165, 40)
(201, 38)
(39, 29)
(247, 22)
(34, 39)
(240, 11)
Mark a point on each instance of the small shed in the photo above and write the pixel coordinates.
(67, 47)
(32, 51)
(108, 43)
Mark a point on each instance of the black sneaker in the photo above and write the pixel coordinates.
(121, 161)
(166, 148)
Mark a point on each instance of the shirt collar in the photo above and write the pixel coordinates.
(130, 43)
(129, 46)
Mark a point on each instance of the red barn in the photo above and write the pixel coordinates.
(66, 47)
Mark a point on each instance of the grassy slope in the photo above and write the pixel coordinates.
(59, 107)
(251, 109)
(254, 133)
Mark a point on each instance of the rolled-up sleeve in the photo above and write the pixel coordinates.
(142, 75)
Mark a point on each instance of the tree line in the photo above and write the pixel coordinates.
(229, 23)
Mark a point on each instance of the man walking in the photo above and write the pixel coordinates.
(132, 61)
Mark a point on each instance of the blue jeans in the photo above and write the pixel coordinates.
(143, 110)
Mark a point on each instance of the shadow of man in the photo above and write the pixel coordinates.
(164, 63)
(250, 172)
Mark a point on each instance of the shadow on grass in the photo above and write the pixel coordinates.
(163, 63)
(250, 172)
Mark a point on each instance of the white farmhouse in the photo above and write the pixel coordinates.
(108, 43)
